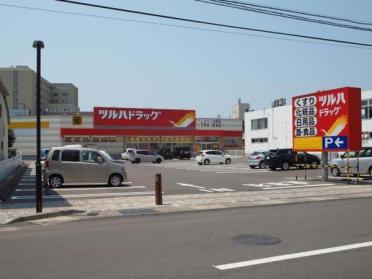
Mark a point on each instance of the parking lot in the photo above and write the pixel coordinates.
(180, 177)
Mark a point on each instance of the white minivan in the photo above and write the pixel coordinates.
(77, 165)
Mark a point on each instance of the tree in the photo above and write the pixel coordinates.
(11, 138)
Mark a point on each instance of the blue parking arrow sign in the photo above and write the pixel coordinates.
(335, 142)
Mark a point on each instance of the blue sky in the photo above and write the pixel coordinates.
(120, 63)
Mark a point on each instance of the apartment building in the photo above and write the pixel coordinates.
(20, 82)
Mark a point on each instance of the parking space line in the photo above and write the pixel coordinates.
(190, 185)
(294, 256)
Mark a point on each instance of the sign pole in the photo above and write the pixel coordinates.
(348, 168)
(358, 173)
(39, 202)
(325, 166)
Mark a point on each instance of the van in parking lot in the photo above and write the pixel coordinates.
(77, 165)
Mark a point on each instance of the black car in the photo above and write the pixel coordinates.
(286, 158)
(181, 153)
(166, 153)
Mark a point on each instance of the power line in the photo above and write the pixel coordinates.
(274, 12)
(216, 24)
(301, 12)
(180, 26)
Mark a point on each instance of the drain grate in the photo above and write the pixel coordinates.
(256, 240)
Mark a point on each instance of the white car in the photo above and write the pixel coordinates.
(128, 153)
(207, 157)
(146, 156)
(339, 165)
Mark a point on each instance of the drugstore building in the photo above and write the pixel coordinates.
(114, 129)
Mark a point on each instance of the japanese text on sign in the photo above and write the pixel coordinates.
(128, 114)
(305, 116)
(327, 120)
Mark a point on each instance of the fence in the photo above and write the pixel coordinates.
(236, 153)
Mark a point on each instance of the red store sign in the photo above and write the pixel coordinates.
(109, 116)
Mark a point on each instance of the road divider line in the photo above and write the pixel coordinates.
(294, 256)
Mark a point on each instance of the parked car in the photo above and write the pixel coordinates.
(127, 153)
(166, 153)
(77, 165)
(257, 159)
(286, 158)
(146, 156)
(181, 153)
(339, 165)
(207, 157)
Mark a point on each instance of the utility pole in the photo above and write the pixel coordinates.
(39, 199)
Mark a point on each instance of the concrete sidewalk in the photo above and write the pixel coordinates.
(177, 203)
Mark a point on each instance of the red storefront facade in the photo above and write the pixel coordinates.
(152, 129)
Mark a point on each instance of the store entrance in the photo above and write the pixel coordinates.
(209, 145)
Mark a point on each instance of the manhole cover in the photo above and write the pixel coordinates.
(256, 240)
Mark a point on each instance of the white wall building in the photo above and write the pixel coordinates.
(271, 128)
(4, 122)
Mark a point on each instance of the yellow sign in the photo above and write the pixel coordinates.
(28, 125)
(77, 120)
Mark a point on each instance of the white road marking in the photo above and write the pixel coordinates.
(222, 190)
(190, 185)
(204, 189)
(294, 256)
(254, 185)
(102, 195)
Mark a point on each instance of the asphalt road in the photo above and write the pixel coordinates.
(192, 245)
(179, 177)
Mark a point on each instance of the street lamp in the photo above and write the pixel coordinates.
(39, 202)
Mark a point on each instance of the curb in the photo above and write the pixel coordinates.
(44, 215)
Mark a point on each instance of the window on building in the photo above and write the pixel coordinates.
(366, 109)
(258, 124)
(259, 140)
